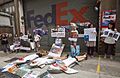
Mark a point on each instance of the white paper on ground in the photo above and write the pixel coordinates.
(69, 61)
(53, 54)
(71, 71)
(49, 61)
(31, 57)
(41, 61)
(38, 61)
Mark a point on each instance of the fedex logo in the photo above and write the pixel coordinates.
(56, 16)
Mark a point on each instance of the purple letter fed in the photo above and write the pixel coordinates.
(39, 20)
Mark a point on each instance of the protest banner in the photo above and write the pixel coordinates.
(91, 33)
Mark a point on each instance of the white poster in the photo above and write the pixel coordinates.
(56, 51)
(60, 32)
(110, 33)
(91, 32)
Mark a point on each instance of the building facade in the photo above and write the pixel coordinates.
(49, 13)
(32, 14)
(15, 9)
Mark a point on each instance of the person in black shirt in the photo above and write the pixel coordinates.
(4, 42)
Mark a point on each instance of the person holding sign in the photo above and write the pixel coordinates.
(110, 41)
(73, 33)
(91, 43)
(37, 39)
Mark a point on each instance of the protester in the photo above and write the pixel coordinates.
(21, 34)
(109, 42)
(4, 42)
(91, 44)
(74, 32)
(31, 41)
(16, 43)
(30, 38)
(75, 49)
(37, 40)
(16, 39)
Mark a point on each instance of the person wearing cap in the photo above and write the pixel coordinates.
(73, 33)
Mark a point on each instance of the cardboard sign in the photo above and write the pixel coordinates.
(91, 33)
(60, 32)
(110, 33)
(56, 51)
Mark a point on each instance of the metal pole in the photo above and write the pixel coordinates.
(98, 28)
(17, 21)
(25, 25)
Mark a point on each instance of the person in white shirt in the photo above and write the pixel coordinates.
(37, 40)
(91, 44)
(110, 42)
(73, 33)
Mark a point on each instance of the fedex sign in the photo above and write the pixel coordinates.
(55, 17)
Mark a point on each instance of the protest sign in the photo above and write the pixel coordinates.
(110, 33)
(60, 32)
(91, 33)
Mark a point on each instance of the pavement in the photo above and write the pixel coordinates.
(87, 68)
